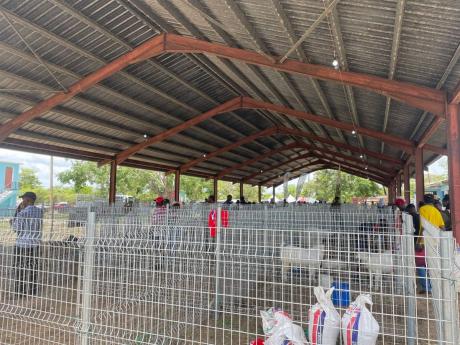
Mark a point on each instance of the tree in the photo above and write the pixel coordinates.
(87, 177)
(29, 180)
(83, 176)
(196, 188)
(324, 185)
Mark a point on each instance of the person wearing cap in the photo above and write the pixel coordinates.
(400, 204)
(27, 223)
(159, 201)
(159, 214)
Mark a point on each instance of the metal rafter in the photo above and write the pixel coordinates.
(80, 16)
(180, 18)
(415, 95)
(393, 59)
(295, 132)
(90, 56)
(394, 161)
(88, 119)
(285, 22)
(401, 142)
(334, 160)
(418, 96)
(313, 162)
(450, 66)
(266, 132)
(326, 165)
(335, 156)
(261, 47)
(359, 173)
(334, 20)
(85, 118)
(276, 166)
(262, 156)
(246, 102)
(62, 151)
(233, 104)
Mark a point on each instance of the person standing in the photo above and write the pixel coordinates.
(432, 215)
(444, 214)
(415, 219)
(229, 200)
(400, 203)
(27, 224)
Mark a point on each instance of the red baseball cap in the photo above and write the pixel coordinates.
(159, 199)
(400, 202)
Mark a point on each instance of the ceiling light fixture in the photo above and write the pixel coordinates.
(335, 63)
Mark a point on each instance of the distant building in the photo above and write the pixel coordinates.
(9, 184)
(438, 189)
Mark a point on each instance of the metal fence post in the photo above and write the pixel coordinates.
(408, 256)
(448, 290)
(167, 215)
(88, 266)
(218, 262)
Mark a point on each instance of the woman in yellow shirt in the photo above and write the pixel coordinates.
(433, 216)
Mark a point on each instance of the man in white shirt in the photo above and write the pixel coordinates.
(27, 224)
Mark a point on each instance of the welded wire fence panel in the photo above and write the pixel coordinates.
(39, 302)
(160, 276)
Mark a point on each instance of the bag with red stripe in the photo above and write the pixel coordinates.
(323, 319)
(279, 328)
(358, 325)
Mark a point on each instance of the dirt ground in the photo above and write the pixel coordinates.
(43, 320)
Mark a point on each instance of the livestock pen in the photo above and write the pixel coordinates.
(134, 278)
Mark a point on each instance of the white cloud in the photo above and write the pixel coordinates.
(39, 163)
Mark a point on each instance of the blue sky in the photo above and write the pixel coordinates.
(41, 164)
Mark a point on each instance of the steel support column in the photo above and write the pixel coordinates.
(177, 185)
(214, 189)
(398, 185)
(391, 197)
(113, 182)
(453, 145)
(274, 195)
(259, 193)
(241, 189)
(419, 178)
(406, 184)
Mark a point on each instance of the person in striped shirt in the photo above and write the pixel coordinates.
(27, 224)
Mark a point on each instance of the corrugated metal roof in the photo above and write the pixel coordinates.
(77, 37)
